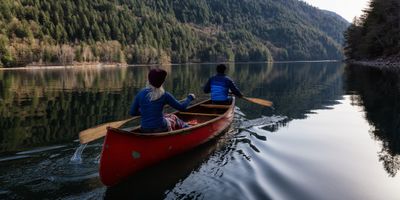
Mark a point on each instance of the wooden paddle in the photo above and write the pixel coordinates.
(99, 131)
(259, 101)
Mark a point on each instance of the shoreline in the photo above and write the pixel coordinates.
(90, 65)
(392, 62)
(73, 65)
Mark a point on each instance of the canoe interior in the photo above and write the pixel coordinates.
(202, 109)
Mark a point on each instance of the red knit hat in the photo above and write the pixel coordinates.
(157, 77)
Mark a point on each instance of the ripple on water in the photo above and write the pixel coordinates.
(41, 149)
(283, 180)
(11, 158)
(261, 122)
(3, 192)
(279, 164)
(73, 178)
(48, 170)
(238, 170)
(93, 194)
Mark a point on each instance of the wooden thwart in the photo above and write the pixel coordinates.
(200, 114)
(214, 106)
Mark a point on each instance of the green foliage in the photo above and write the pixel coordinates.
(7, 60)
(376, 33)
(175, 31)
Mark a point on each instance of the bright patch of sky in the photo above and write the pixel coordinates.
(348, 9)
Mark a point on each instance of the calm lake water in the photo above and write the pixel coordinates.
(333, 134)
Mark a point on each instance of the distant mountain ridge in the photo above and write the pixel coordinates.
(162, 31)
(337, 16)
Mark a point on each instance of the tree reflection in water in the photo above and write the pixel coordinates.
(44, 107)
(378, 92)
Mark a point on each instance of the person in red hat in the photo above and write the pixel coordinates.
(150, 101)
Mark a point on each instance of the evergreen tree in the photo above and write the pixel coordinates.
(376, 33)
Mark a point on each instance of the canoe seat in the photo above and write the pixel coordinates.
(214, 106)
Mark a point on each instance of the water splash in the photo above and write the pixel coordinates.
(77, 157)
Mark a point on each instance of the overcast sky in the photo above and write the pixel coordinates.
(348, 9)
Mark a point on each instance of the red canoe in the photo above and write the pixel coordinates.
(126, 152)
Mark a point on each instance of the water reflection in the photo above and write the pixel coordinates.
(378, 92)
(295, 88)
(39, 107)
(51, 106)
(272, 154)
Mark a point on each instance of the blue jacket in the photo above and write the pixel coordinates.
(219, 86)
(152, 111)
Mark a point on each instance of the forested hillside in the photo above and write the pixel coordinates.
(163, 31)
(376, 34)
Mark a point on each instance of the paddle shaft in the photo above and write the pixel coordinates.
(99, 131)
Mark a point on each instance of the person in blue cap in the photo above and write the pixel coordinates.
(219, 86)
(150, 101)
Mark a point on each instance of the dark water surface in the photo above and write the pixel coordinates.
(334, 134)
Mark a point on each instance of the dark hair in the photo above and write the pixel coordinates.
(157, 77)
(221, 68)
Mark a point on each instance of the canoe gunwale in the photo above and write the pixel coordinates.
(180, 131)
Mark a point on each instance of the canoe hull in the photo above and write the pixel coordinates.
(124, 154)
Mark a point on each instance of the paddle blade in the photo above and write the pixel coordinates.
(99, 131)
(259, 101)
